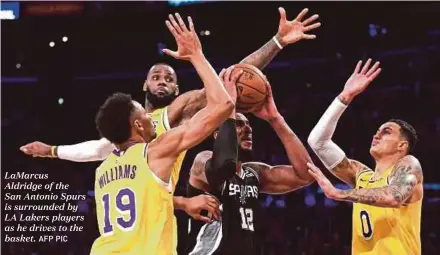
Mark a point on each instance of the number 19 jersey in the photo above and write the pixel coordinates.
(133, 206)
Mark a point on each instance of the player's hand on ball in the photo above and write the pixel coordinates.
(230, 81)
(37, 149)
(268, 111)
(327, 187)
(188, 43)
(360, 79)
(197, 204)
(296, 30)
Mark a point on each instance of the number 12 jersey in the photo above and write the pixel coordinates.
(238, 230)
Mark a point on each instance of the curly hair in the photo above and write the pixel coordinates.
(113, 118)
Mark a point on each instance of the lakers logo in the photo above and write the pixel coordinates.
(155, 122)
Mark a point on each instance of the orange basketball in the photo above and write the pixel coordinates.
(251, 88)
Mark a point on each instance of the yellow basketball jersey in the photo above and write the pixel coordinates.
(162, 125)
(378, 230)
(134, 208)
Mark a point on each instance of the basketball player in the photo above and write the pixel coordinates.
(387, 200)
(133, 186)
(168, 109)
(238, 182)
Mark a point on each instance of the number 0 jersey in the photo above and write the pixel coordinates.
(238, 230)
(378, 230)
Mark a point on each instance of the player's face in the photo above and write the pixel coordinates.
(244, 132)
(387, 140)
(143, 123)
(161, 85)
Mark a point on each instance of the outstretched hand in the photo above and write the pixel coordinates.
(327, 187)
(295, 30)
(360, 79)
(188, 43)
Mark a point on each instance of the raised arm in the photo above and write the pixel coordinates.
(164, 150)
(95, 150)
(320, 139)
(289, 32)
(283, 178)
(405, 186)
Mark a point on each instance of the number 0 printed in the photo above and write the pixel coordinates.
(125, 203)
(367, 230)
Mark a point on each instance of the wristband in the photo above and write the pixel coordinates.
(277, 43)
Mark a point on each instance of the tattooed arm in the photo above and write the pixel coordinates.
(185, 106)
(405, 186)
(289, 32)
(197, 176)
(264, 55)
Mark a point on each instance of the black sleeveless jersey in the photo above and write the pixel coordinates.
(238, 230)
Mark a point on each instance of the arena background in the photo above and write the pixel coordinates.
(52, 94)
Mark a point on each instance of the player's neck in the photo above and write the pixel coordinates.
(385, 162)
(148, 106)
(238, 168)
(127, 144)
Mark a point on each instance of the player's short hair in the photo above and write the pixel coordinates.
(163, 64)
(408, 132)
(113, 118)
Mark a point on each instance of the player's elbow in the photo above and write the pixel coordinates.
(395, 200)
(313, 140)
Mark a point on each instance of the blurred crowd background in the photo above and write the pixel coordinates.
(60, 61)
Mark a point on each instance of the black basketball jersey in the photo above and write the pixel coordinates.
(238, 230)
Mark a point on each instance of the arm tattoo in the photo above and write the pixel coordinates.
(403, 180)
(262, 57)
(198, 167)
(196, 102)
(258, 167)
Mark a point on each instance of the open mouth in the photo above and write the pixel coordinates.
(374, 142)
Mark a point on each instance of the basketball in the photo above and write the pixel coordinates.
(251, 88)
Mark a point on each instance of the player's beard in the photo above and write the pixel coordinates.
(245, 155)
(158, 102)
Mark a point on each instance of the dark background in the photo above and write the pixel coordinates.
(112, 45)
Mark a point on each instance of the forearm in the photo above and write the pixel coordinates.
(320, 138)
(264, 55)
(87, 151)
(224, 157)
(179, 202)
(214, 89)
(296, 151)
(382, 197)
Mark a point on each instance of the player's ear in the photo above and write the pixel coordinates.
(138, 125)
(403, 145)
(215, 134)
(145, 85)
(177, 90)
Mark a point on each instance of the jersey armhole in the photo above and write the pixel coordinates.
(167, 186)
(165, 120)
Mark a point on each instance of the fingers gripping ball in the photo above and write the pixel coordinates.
(251, 88)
